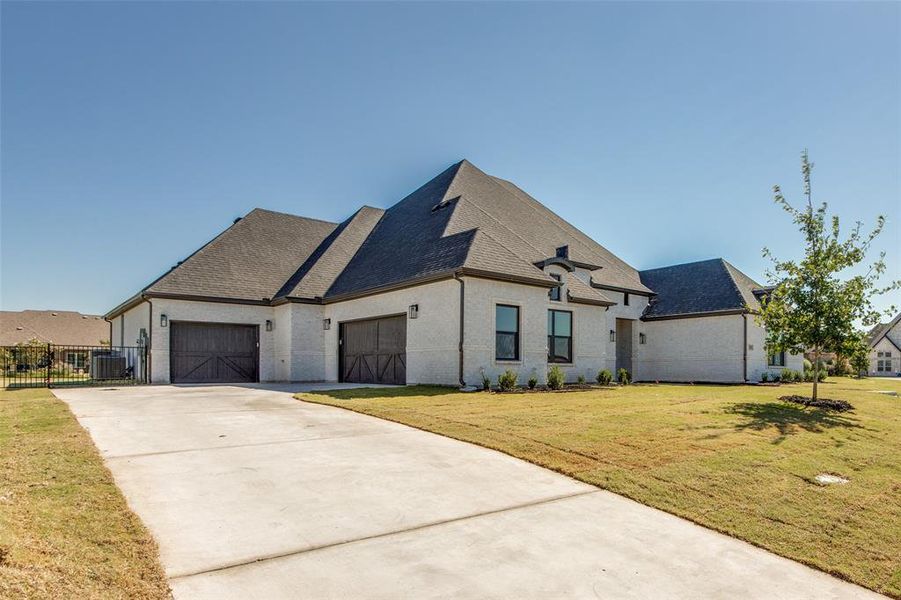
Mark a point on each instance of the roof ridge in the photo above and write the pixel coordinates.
(728, 267)
(684, 264)
(278, 212)
(885, 330)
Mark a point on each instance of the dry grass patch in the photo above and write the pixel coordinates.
(65, 529)
(732, 458)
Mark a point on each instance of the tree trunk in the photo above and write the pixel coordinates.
(816, 370)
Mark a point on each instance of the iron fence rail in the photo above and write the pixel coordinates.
(52, 365)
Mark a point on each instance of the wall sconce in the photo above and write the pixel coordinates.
(642, 338)
(164, 321)
(326, 324)
(268, 325)
(612, 336)
(414, 311)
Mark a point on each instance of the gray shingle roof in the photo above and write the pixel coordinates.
(707, 286)
(62, 327)
(879, 331)
(466, 219)
(250, 260)
(580, 292)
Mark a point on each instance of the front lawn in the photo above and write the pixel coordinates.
(732, 458)
(65, 529)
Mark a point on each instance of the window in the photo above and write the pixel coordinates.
(625, 298)
(776, 360)
(506, 332)
(554, 293)
(75, 360)
(563, 252)
(559, 336)
(884, 366)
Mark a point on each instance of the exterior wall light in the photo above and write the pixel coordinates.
(164, 321)
(414, 311)
(642, 338)
(612, 335)
(326, 324)
(268, 325)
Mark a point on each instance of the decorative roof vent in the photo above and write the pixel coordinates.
(444, 203)
(563, 252)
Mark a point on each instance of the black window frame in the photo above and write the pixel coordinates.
(515, 334)
(552, 323)
(625, 298)
(772, 362)
(555, 294)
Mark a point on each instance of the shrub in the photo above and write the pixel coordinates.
(821, 375)
(786, 375)
(624, 377)
(765, 377)
(486, 383)
(506, 381)
(775, 377)
(808, 375)
(580, 380)
(807, 365)
(533, 381)
(555, 378)
(604, 377)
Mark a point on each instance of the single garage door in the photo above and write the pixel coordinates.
(375, 351)
(213, 353)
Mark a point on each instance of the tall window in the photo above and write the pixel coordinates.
(776, 360)
(884, 366)
(506, 332)
(625, 298)
(559, 336)
(554, 293)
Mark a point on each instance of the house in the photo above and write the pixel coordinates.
(467, 276)
(57, 327)
(885, 349)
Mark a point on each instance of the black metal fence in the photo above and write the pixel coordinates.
(50, 365)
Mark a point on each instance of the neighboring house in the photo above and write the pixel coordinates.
(885, 349)
(465, 277)
(58, 327)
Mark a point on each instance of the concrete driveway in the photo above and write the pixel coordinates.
(252, 494)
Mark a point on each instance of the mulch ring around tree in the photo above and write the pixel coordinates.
(836, 405)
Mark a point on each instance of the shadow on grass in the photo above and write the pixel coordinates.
(787, 419)
(385, 392)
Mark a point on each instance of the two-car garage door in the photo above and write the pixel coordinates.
(213, 353)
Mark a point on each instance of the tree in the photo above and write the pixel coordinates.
(860, 359)
(815, 303)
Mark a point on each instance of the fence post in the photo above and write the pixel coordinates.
(49, 363)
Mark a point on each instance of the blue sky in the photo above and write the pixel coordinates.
(134, 132)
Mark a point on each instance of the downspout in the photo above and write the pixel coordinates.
(462, 330)
(744, 318)
(147, 350)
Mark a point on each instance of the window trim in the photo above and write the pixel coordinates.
(516, 334)
(625, 298)
(552, 358)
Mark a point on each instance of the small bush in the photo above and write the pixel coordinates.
(786, 375)
(604, 377)
(580, 380)
(821, 375)
(808, 375)
(486, 383)
(533, 381)
(623, 377)
(506, 381)
(808, 366)
(765, 377)
(555, 378)
(775, 377)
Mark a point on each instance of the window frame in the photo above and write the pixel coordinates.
(625, 298)
(551, 336)
(516, 334)
(772, 362)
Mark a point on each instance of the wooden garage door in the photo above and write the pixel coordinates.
(213, 353)
(375, 351)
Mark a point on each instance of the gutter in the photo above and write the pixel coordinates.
(147, 349)
(462, 330)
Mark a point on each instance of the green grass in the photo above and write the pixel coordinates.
(65, 529)
(732, 458)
